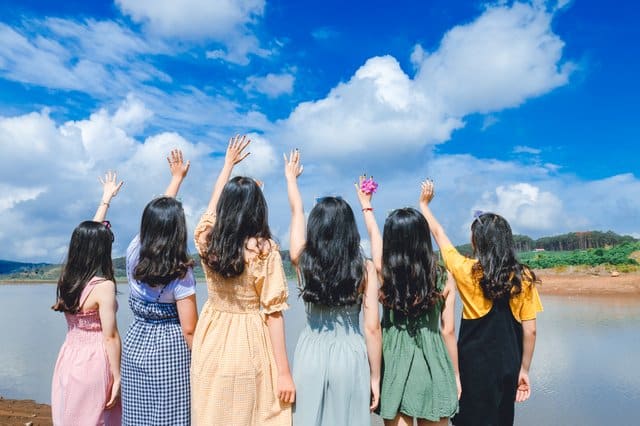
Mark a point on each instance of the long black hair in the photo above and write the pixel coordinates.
(241, 214)
(501, 273)
(410, 270)
(331, 263)
(89, 255)
(163, 243)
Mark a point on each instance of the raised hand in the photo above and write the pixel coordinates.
(235, 150)
(292, 166)
(177, 166)
(427, 191)
(363, 196)
(110, 186)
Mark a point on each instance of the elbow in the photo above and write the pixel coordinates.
(373, 330)
(448, 331)
(112, 338)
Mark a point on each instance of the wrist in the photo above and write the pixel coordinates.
(367, 209)
(284, 374)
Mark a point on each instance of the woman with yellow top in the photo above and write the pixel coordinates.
(498, 327)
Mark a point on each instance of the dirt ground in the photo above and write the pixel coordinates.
(24, 413)
(588, 284)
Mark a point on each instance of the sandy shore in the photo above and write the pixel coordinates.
(588, 283)
(24, 412)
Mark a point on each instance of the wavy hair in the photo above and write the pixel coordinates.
(241, 214)
(331, 263)
(89, 255)
(501, 273)
(410, 269)
(163, 243)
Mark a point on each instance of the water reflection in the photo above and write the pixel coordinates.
(584, 369)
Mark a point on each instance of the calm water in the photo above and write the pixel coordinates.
(585, 368)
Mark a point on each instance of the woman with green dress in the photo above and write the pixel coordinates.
(420, 377)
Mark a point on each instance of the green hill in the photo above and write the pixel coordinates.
(575, 248)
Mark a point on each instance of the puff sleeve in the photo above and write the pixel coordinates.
(271, 282)
(207, 221)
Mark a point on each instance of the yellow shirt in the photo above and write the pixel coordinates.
(524, 305)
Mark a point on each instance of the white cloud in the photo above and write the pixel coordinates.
(11, 195)
(324, 33)
(96, 57)
(272, 85)
(488, 121)
(50, 176)
(523, 149)
(376, 110)
(525, 206)
(224, 21)
(506, 56)
(417, 55)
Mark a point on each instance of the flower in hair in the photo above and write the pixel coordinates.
(368, 186)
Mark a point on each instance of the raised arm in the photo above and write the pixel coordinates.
(179, 170)
(372, 331)
(235, 154)
(448, 326)
(364, 196)
(426, 195)
(110, 188)
(293, 169)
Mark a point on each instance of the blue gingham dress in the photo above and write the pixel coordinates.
(155, 367)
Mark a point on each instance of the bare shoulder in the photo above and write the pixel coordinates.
(105, 291)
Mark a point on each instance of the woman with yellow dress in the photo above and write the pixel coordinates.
(239, 368)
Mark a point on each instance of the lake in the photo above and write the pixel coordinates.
(585, 367)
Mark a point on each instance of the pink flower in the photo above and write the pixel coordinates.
(369, 186)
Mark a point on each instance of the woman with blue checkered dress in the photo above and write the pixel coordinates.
(156, 353)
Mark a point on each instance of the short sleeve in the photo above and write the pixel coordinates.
(133, 254)
(186, 286)
(271, 282)
(531, 303)
(461, 267)
(207, 221)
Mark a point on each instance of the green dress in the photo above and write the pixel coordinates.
(418, 378)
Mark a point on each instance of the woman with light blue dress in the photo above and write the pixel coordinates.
(336, 369)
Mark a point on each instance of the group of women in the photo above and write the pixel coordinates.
(230, 365)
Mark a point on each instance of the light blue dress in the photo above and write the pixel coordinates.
(331, 369)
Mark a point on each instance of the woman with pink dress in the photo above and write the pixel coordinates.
(86, 381)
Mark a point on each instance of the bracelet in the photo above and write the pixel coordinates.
(104, 203)
(367, 209)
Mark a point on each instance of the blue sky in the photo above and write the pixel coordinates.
(524, 108)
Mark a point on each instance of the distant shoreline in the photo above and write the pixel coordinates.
(572, 283)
